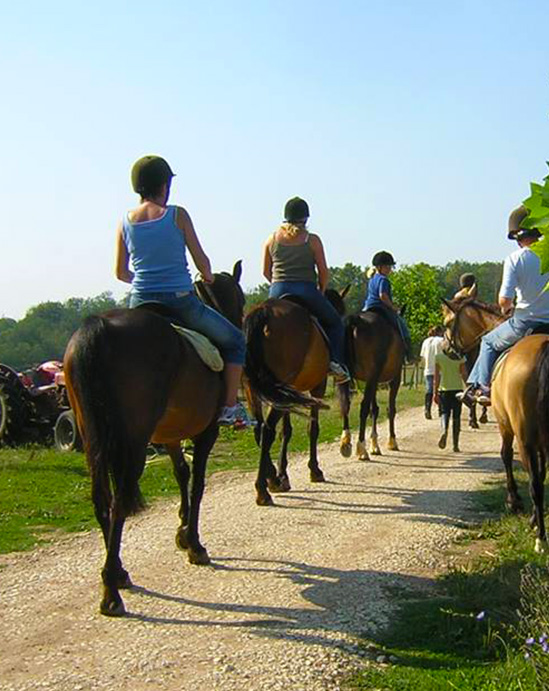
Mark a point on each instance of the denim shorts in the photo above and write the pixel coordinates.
(195, 315)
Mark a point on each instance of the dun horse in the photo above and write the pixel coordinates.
(131, 379)
(520, 399)
(287, 357)
(376, 356)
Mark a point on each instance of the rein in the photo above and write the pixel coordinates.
(206, 294)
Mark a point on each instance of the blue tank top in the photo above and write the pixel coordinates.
(158, 254)
(376, 285)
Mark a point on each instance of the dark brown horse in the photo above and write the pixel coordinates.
(287, 357)
(131, 379)
(520, 400)
(375, 356)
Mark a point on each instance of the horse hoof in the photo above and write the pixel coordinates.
(514, 506)
(112, 609)
(392, 445)
(199, 558)
(374, 449)
(346, 449)
(361, 451)
(264, 500)
(474, 425)
(317, 476)
(285, 484)
(274, 485)
(541, 546)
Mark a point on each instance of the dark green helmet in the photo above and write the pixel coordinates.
(383, 259)
(467, 280)
(515, 231)
(149, 173)
(296, 209)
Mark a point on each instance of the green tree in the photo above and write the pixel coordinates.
(353, 275)
(418, 293)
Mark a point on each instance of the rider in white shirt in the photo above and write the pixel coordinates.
(521, 280)
(430, 347)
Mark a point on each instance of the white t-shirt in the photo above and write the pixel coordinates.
(430, 347)
(521, 276)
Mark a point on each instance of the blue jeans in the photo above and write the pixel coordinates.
(429, 383)
(195, 315)
(321, 308)
(493, 344)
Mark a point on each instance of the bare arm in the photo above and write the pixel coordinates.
(320, 261)
(122, 259)
(384, 297)
(463, 371)
(436, 383)
(267, 260)
(200, 258)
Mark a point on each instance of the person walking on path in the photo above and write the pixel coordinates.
(522, 280)
(450, 375)
(294, 263)
(429, 349)
(154, 238)
(380, 296)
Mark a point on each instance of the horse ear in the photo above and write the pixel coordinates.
(344, 291)
(448, 304)
(237, 270)
(473, 290)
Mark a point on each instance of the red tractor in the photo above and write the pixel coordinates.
(34, 407)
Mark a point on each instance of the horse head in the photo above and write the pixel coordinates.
(466, 320)
(337, 298)
(225, 294)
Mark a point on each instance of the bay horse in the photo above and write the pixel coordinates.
(287, 359)
(132, 379)
(520, 400)
(375, 353)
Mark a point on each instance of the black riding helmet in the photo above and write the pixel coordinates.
(149, 173)
(383, 259)
(515, 230)
(296, 209)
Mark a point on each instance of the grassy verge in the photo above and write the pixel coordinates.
(43, 492)
(465, 636)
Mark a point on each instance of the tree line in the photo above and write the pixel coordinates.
(42, 334)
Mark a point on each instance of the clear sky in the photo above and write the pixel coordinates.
(413, 126)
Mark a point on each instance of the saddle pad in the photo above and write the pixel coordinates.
(204, 348)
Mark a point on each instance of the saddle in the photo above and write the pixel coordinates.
(540, 328)
(203, 347)
(299, 301)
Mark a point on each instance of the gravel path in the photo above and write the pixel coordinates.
(290, 587)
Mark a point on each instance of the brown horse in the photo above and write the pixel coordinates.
(375, 356)
(287, 357)
(520, 399)
(131, 379)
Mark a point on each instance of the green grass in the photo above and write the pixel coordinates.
(43, 492)
(439, 642)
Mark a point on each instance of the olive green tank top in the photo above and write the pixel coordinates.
(293, 262)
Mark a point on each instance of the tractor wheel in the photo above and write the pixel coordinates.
(65, 433)
(12, 414)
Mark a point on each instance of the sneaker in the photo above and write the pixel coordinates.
(340, 372)
(235, 416)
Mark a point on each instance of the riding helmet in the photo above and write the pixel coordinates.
(383, 259)
(150, 172)
(515, 230)
(296, 209)
(467, 280)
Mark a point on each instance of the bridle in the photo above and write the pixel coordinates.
(454, 339)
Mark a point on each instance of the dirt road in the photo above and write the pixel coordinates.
(289, 590)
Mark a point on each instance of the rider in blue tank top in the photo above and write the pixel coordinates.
(154, 238)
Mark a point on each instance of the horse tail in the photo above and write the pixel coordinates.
(352, 322)
(262, 380)
(108, 448)
(542, 377)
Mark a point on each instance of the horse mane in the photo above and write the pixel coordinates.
(478, 304)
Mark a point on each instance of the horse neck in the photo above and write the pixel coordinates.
(475, 322)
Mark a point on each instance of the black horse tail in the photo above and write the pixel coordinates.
(107, 445)
(542, 377)
(263, 382)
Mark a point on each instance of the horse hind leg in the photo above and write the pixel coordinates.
(316, 474)
(266, 473)
(345, 444)
(365, 407)
(473, 424)
(391, 412)
(513, 500)
(282, 482)
(111, 603)
(374, 443)
(182, 474)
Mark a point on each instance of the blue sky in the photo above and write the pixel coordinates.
(409, 126)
